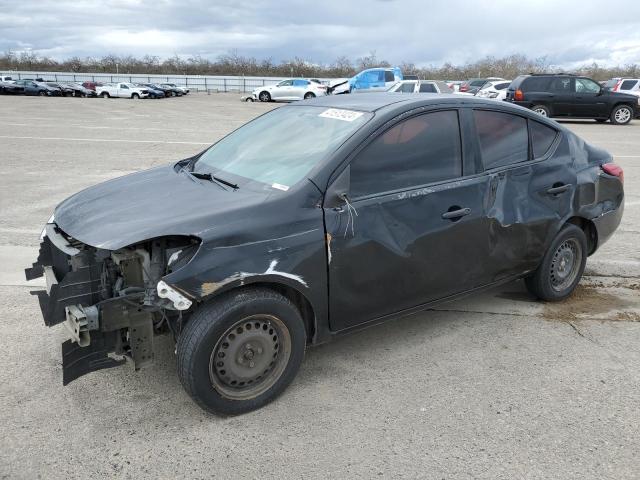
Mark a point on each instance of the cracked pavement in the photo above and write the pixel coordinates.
(495, 385)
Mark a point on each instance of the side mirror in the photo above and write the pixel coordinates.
(338, 189)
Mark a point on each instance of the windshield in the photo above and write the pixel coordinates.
(282, 146)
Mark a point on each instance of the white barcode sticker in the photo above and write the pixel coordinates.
(279, 186)
(339, 114)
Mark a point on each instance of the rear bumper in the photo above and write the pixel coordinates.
(607, 223)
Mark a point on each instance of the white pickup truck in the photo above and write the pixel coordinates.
(122, 90)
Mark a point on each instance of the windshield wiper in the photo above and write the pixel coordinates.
(212, 178)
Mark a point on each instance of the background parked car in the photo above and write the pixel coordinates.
(92, 85)
(153, 92)
(495, 89)
(375, 79)
(31, 87)
(473, 85)
(421, 86)
(6, 78)
(627, 85)
(11, 88)
(564, 95)
(290, 89)
(171, 91)
(65, 90)
(80, 91)
(173, 86)
(122, 90)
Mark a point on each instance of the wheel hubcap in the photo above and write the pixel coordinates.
(250, 357)
(623, 115)
(541, 111)
(565, 265)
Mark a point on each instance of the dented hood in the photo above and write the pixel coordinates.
(149, 204)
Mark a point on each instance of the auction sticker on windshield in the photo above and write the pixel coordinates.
(339, 114)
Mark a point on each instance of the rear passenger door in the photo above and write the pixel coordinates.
(563, 95)
(298, 89)
(531, 183)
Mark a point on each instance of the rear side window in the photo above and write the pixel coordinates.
(535, 84)
(502, 86)
(389, 76)
(562, 85)
(427, 88)
(628, 85)
(416, 151)
(300, 83)
(542, 138)
(503, 138)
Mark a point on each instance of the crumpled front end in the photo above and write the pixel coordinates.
(113, 303)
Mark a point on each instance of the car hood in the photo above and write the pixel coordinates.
(149, 204)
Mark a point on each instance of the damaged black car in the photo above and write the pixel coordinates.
(313, 220)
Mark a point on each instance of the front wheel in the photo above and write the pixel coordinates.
(42, 93)
(621, 115)
(264, 97)
(541, 110)
(239, 352)
(104, 95)
(562, 266)
(135, 96)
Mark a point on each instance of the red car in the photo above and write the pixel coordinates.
(92, 85)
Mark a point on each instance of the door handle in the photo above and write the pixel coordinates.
(455, 214)
(558, 189)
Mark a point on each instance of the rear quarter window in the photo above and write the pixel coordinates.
(628, 84)
(542, 137)
(535, 84)
(389, 76)
(503, 138)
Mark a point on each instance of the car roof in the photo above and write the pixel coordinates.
(371, 102)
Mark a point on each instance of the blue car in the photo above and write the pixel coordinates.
(375, 79)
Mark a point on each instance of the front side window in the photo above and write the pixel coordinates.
(503, 138)
(420, 150)
(285, 83)
(584, 85)
(124, 87)
(374, 76)
(282, 146)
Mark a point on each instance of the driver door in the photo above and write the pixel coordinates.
(412, 231)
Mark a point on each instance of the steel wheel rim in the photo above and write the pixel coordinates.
(623, 115)
(541, 111)
(250, 357)
(565, 265)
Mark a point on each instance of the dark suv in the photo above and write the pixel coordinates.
(564, 95)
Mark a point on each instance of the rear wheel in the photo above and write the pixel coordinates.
(42, 93)
(309, 95)
(562, 266)
(621, 115)
(240, 352)
(541, 110)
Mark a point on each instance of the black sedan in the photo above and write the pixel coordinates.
(10, 88)
(313, 220)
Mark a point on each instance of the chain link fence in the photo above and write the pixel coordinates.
(205, 83)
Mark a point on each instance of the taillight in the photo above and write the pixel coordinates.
(518, 95)
(613, 169)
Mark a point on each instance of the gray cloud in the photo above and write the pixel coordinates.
(568, 32)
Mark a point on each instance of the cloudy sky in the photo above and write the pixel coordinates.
(568, 32)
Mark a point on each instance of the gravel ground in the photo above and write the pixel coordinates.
(492, 386)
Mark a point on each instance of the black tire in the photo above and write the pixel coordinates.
(541, 110)
(309, 95)
(104, 95)
(264, 96)
(42, 93)
(199, 347)
(135, 96)
(548, 282)
(621, 115)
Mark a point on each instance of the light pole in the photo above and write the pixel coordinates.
(117, 72)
